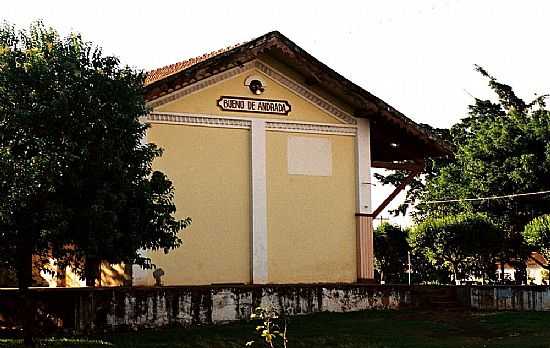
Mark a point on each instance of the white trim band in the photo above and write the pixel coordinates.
(190, 119)
(244, 123)
(310, 128)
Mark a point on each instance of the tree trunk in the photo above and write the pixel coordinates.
(24, 279)
(455, 274)
(128, 270)
(520, 273)
(92, 271)
(61, 276)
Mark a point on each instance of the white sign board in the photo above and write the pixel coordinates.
(262, 106)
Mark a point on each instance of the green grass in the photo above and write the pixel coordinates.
(370, 329)
(60, 343)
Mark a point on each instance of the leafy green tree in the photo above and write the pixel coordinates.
(465, 243)
(391, 252)
(118, 204)
(392, 248)
(537, 236)
(501, 147)
(75, 181)
(423, 271)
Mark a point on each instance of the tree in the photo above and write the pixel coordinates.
(118, 204)
(500, 148)
(75, 181)
(391, 252)
(537, 235)
(423, 271)
(465, 243)
(32, 160)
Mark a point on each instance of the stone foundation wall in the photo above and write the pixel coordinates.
(86, 310)
(505, 298)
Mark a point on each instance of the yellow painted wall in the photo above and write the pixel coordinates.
(210, 170)
(205, 101)
(311, 219)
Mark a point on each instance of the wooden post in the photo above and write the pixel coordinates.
(365, 229)
(365, 248)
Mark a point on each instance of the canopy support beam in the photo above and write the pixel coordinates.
(364, 221)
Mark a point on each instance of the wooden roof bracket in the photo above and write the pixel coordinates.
(414, 168)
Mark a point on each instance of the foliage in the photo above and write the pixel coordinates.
(537, 235)
(76, 183)
(465, 243)
(391, 252)
(501, 147)
(269, 330)
(392, 248)
(74, 171)
(423, 271)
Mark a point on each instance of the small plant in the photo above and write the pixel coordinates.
(270, 330)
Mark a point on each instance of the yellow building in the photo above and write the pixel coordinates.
(270, 153)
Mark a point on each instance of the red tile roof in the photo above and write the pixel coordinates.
(536, 259)
(160, 73)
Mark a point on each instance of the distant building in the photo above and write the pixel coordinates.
(536, 273)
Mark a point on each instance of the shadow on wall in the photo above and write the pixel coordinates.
(44, 276)
(115, 275)
(8, 277)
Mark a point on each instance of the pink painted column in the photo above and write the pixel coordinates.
(365, 248)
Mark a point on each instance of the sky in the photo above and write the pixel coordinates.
(416, 55)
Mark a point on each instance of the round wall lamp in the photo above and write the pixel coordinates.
(255, 84)
(256, 87)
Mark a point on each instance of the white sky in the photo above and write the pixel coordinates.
(416, 55)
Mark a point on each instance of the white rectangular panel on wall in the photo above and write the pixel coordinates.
(309, 156)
